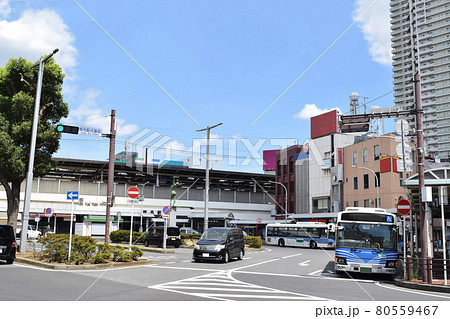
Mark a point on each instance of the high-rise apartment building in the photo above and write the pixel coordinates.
(420, 31)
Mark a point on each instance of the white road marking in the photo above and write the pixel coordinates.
(305, 263)
(222, 286)
(290, 256)
(412, 291)
(315, 272)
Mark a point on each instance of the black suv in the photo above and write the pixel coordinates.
(155, 236)
(7, 244)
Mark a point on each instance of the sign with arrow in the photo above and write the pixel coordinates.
(72, 195)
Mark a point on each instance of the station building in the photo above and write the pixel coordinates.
(243, 198)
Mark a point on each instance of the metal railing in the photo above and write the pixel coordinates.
(425, 269)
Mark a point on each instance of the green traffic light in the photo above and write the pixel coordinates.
(60, 128)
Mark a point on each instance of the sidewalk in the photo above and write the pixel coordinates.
(437, 286)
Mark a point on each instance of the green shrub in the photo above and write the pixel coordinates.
(84, 250)
(122, 235)
(187, 239)
(253, 241)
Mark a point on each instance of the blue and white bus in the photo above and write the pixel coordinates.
(366, 241)
(305, 234)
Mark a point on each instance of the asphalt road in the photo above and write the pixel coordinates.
(275, 274)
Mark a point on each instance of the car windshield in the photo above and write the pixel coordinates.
(215, 234)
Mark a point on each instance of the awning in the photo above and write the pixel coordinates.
(212, 215)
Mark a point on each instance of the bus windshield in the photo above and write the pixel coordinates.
(366, 236)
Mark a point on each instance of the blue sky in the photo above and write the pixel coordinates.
(177, 66)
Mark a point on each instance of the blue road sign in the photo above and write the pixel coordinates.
(166, 210)
(72, 195)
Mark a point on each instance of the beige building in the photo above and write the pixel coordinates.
(368, 163)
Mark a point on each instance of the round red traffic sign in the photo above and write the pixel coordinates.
(259, 220)
(133, 192)
(403, 207)
(166, 211)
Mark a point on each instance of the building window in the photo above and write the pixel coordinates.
(355, 183)
(355, 203)
(285, 169)
(377, 179)
(366, 182)
(366, 203)
(365, 155)
(291, 187)
(335, 189)
(322, 203)
(376, 152)
(292, 207)
(355, 158)
(291, 165)
(278, 168)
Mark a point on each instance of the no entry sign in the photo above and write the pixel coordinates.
(403, 207)
(133, 192)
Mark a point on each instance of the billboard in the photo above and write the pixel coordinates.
(324, 124)
(269, 158)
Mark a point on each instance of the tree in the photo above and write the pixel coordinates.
(18, 83)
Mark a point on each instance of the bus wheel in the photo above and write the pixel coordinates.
(281, 243)
(312, 244)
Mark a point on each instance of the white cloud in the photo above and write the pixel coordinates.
(5, 9)
(375, 25)
(90, 115)
(37, 33)
(311, 110)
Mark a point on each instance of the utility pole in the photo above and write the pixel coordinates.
(112, 140)
(27, 199)
(425, 217)
(207, 129)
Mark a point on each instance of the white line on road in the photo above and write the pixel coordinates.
(315, 272)
(291, 256)
(305, 263)
(412, 291)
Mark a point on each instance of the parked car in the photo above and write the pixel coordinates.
(187, 230)
(220, 243)
(7, 244)
(155, 236)
(31, 234)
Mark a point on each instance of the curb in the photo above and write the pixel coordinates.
(28, 261)
(420, 286)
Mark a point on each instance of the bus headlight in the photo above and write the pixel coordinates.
(341, 260)
(391, 264)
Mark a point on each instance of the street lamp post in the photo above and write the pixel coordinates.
(376, 181)
(207, 129)
(29, 181)
(285, 199)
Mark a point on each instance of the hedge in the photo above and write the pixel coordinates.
(253, 241)
(84, 250)
(119, 236)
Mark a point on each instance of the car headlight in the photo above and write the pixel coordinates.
(196, 246)
(219, 247)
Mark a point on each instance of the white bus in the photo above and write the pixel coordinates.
(305, 234)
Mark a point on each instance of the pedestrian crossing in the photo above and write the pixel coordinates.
(222, 286)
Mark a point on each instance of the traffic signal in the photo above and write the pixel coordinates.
(67, 129)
